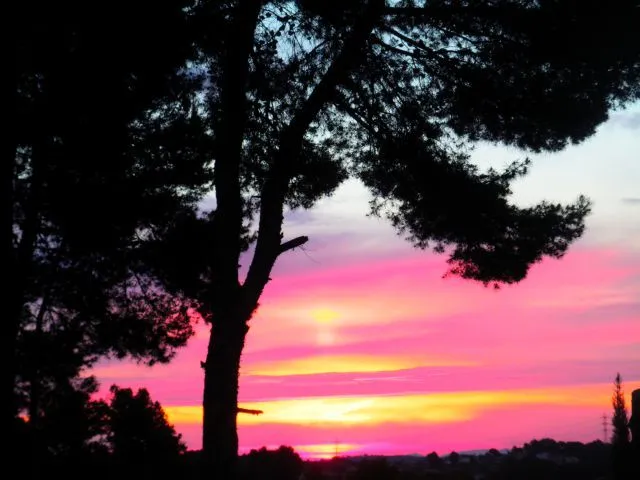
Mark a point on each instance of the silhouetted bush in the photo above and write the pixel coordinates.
(281, 464)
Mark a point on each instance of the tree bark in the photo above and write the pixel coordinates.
(220, 401)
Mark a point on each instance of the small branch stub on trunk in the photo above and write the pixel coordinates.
(250, 411)
(293, 243)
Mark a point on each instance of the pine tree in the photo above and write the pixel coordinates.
(620, 437)
(101, 107)
(620, 419)
(303, 94)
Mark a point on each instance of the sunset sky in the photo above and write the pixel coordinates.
(360, 344)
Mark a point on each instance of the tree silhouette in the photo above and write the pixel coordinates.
(620, 418)
(68, 430)
(71, 423)
(620, 437)
(434, 460)
(301, 95)
(128, 434)
(138, 429)
(77, 323)
(87, 165)
(283, 463)
(634, 428)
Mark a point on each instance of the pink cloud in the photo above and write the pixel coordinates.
(571, 322)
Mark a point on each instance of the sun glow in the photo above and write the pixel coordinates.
(325, 316)
(326, 337)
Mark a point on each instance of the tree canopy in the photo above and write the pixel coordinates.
(138, 428)
(90, 163)
(301, 95)
(126, 434)
(395, 93)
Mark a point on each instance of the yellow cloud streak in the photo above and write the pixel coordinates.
(348, 364)
(419, 408)
(325, 450)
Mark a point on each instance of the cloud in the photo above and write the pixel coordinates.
(447, 407)
(350, 364)
(631, 200)
(627, 119)
(571, 323)
(427, 380)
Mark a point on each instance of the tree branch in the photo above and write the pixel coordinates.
(447, 11)
(408, 40)
(293, 243)
(343, 105)
(429, 14)
(391, 48)
(277, 182)
(337, 72)
(250, 411)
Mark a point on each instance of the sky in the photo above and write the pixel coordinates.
(361, 346)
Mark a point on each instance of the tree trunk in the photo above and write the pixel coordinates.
(220, 402)
(229, 315)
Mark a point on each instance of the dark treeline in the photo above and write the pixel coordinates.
(122, 116)
(543, 459)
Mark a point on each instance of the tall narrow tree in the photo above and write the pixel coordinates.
(620, 438)
(620, 419)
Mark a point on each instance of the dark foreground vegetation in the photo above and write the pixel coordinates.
(128, 436)
(543, 459)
